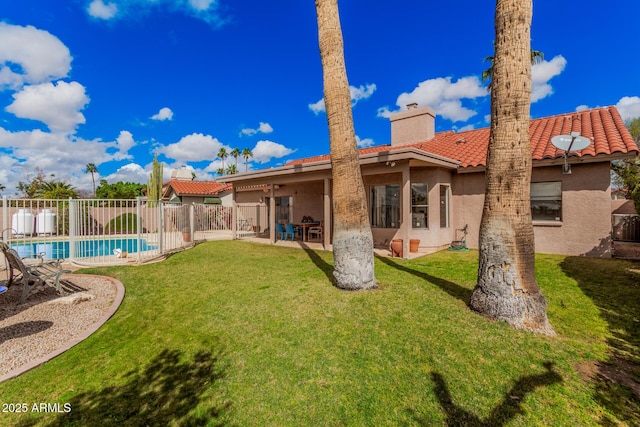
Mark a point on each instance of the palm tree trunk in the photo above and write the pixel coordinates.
(352, 238)
(507, 289)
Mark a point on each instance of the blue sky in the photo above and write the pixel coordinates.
(112, 82)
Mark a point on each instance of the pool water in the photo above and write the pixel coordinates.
(83, 248)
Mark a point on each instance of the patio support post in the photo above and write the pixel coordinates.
(405, 209)
(272, 215)
(327, 213)
(234, 214)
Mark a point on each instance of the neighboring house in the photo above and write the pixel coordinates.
(182, 189)
(428, 185)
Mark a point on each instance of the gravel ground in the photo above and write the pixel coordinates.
(47, 322)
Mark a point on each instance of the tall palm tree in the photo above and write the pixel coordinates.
(247, 154)
(222, 154)
(235, 153)
(507, 289)
(92, 169)
(487, 75)
(352, 238)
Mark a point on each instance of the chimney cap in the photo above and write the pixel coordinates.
(412, 106)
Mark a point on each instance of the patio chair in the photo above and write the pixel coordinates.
(32, 276)
(279, 231)
(289, 231)
(316, 231)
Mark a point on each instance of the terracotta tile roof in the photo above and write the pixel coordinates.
(603, 126)
(197, 188)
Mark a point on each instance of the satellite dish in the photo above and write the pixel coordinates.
(567, 143)
(570, 142)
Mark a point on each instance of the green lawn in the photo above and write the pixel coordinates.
(234, 333)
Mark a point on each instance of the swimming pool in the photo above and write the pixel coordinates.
(83, 248)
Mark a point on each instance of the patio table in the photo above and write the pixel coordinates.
(305, 226)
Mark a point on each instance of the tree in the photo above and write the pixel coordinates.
(627, 171)
(220, 171)
(154, 189)
(57, 190)
(507, 289)
(352, 238)
(222, 154)
(247, 154)
(2, 187)
(32, 185)
(119, 190)
(487, 75)
(232, 170)
(92, 169)
(235, 153)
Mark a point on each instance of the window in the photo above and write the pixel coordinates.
(546, 201)
(419, 206)
(444, 206)
(385, 206)
(284, 206)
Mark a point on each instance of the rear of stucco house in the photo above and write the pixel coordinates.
(427, 185)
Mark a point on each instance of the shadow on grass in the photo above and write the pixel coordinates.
(614, 287)
(165, 392)
(453, 289)
(323, 265)
(507, 410)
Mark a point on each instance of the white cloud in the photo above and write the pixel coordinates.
(192, 148)
(264, 151)
(318, 107)
(629, 107)
(541, 73)
(444, 96)
(357, 94)
(206, 10)
(131, 172)
(56, 105)
(64, 155)
(41, 57)
(362, 143)
(164, 114)
(124, 142)
(102, 10)
(582, 108)
(262, 128)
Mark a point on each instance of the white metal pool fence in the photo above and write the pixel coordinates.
(107, 231)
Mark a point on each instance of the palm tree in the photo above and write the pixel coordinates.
(2, 187)
(235, 153)
(487, 75)
(352, 238)
(247, 154)
(91, 168)
(232, 170)
(220, 171)
(56, 190)
(507, 289)
(222, 154)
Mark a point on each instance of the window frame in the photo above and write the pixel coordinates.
(447, 206)
(549, 198)
(415, 206)
(383, 216)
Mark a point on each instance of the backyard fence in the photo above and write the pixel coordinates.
(626, 228)
(100, 231)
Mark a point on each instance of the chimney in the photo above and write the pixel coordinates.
(413, 125)
(182, 174)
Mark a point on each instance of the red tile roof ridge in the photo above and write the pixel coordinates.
(602, 125)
